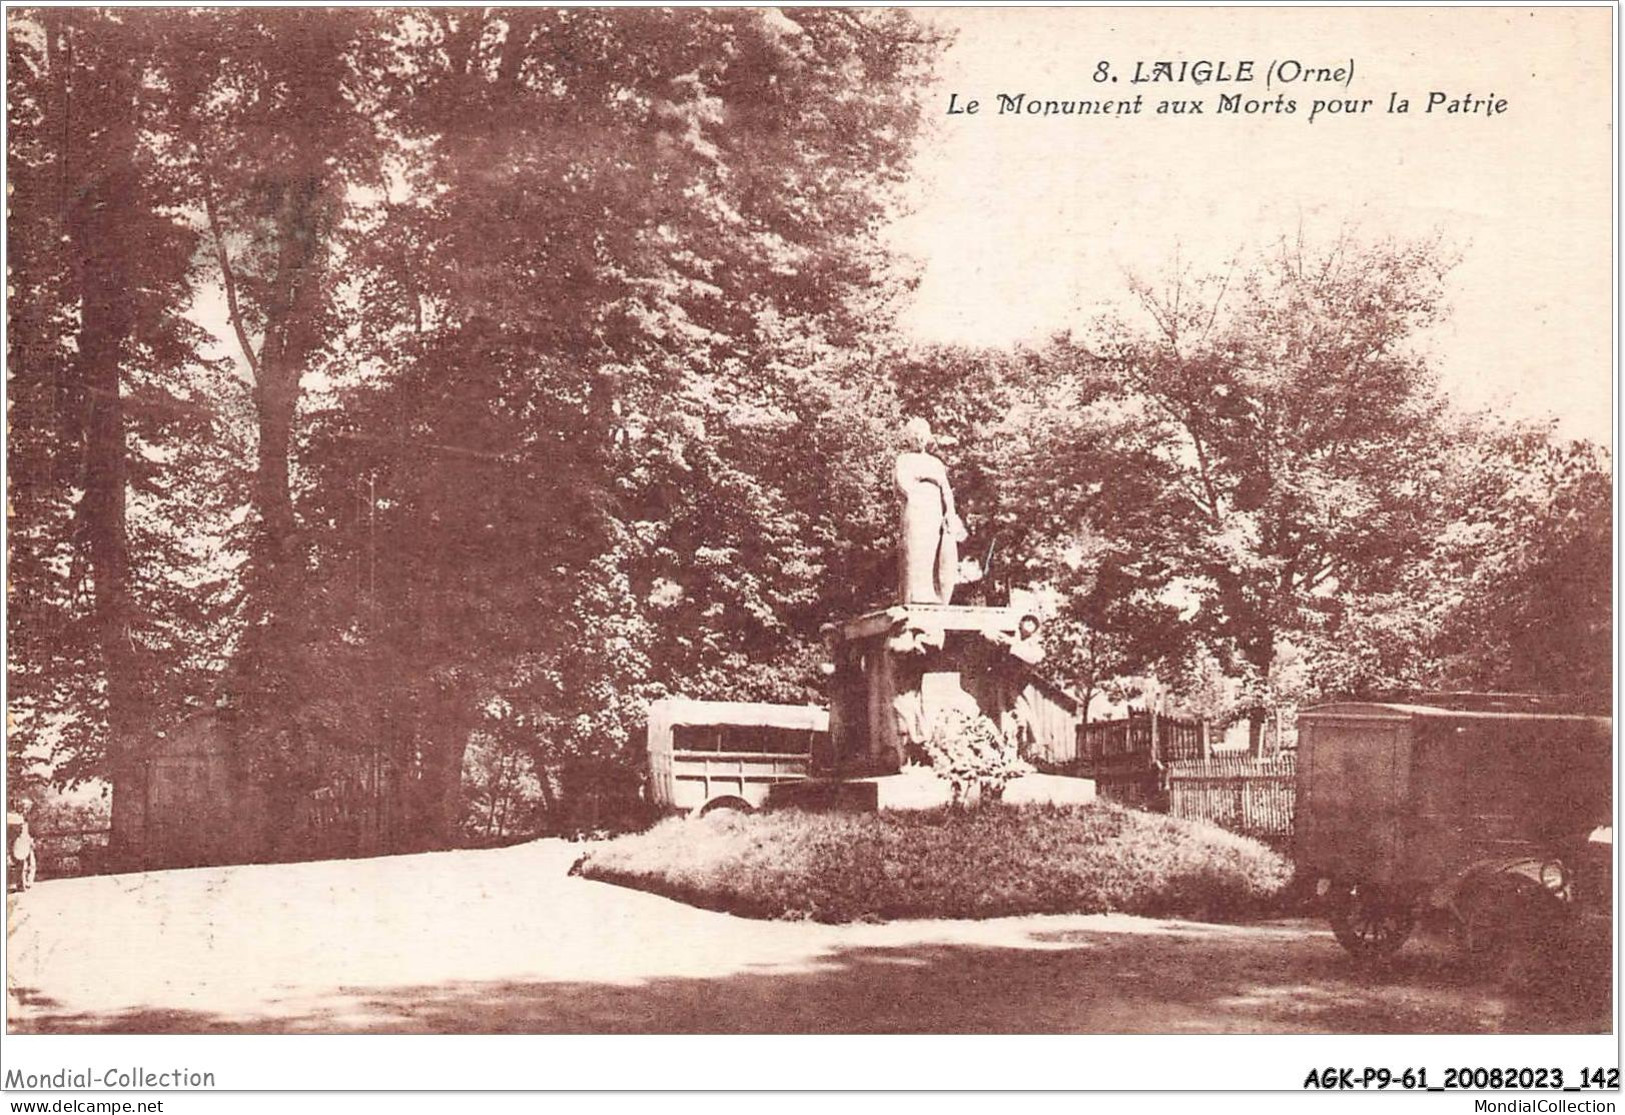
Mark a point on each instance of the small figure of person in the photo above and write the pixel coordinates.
(24, 862)
(928, 552)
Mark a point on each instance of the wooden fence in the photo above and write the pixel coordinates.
(1142, 740)
(1112, 739)
(1250, 796)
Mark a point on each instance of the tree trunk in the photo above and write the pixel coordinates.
(273, 668)
(1260, 653)
(98, 229)
(273, 499)
(446, 743)
(550, 804)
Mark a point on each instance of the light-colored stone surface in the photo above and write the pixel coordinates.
(913, 788)
(919, 788)
(1055, 789)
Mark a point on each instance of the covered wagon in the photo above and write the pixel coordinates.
(706, 755)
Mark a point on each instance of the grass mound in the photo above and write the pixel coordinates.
(983, 863)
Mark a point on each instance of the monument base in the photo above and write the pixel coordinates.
(899, 671)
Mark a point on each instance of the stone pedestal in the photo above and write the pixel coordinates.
(898, 669)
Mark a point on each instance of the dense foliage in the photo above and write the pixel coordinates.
(400, 383)
(553, 332)
(121, 462)
(1249, 487)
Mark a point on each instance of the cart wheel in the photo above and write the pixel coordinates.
(1370, 923)
(726, 805)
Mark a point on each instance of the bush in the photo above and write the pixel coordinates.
(70, 831)
(973, 756)
(991, 862)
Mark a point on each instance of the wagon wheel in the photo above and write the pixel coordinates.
(1370, 923)
(1501, 921)
(730, 804)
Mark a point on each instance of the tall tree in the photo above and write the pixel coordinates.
(266, 135)
(101, 238)
(610, 237)
(104, 368)
(1298, 422)
(274, 149)
(1522, 582)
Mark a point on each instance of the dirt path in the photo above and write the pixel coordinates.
(504, 941)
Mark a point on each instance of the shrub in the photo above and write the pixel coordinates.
(990, 862)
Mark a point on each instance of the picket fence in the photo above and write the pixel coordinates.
(1255, 797)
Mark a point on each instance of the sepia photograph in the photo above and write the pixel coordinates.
(814, 521)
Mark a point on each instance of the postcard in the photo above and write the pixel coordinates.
(913, 534)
